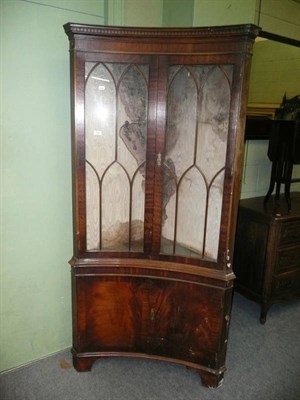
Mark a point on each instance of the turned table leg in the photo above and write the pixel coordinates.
(263, 314)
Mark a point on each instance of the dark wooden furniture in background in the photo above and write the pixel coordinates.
(283, 150)
(284, 153)
(267, 251)
(258, 128)
(158, 118)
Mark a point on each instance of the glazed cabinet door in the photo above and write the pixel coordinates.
(111, 151)
(198, 100)
(153, 148)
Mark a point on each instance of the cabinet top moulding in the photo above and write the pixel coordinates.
(209, 31)
(209, 34)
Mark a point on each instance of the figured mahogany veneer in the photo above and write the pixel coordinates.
(158, 118)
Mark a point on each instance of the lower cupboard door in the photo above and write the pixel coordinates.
(160, 317)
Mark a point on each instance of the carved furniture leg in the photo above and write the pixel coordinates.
(272, 182)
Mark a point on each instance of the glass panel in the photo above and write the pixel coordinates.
(92, 188)
(196, 140)
(115, 134)
(115, 209)
(214, 208)
(138, 207)
(191, 189)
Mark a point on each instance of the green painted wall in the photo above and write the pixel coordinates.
(143, 12)
(281, 17)
(36, 226)
(275, 70)
(178, 12)
(224, 12)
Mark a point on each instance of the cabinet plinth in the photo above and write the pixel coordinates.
(158, 119)
(267, 251)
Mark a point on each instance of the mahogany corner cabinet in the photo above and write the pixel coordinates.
(158, 119)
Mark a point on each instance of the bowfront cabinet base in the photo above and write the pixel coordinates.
(209, 378)
(145, 312)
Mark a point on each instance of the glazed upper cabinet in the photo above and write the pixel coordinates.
(191, 159)
(157, 132)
